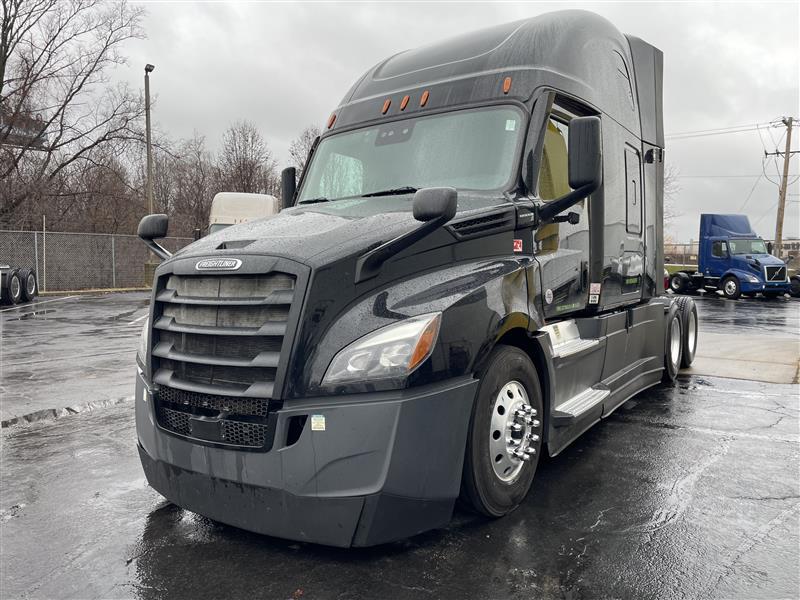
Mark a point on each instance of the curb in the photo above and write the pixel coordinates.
(51, 414)
(94, 291)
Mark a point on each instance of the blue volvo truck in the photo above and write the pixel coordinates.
(734, 259)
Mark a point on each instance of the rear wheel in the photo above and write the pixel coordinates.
(688, 313)
(14, 285)
(505, 436)
(30, 288)
(673, 344)
(679, 282)
(731, 288)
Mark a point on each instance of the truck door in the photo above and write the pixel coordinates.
(562, 249)
(631, 269)
(717, 259)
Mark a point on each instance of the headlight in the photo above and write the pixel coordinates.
(392, 351)
(751, 278)
(141, 353)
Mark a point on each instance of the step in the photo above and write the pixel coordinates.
(566, 339)
(576, 406)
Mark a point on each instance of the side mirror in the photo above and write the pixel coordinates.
(585, 153)
(288, 186)
(154, 227)
(434, 207)
(435, 203)
(585, 165)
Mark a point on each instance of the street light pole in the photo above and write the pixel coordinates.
(148, 68)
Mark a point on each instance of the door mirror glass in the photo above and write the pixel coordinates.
(585, 152)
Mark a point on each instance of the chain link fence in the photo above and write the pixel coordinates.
(681, 254)
(81, 261)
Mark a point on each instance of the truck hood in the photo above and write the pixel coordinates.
(305, 235)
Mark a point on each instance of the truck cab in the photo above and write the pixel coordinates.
(734, 259)
(468, 275)
(233, 208)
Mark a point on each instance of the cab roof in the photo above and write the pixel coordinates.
(576, 52)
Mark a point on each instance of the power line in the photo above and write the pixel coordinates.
(746, 200)
(718, 131)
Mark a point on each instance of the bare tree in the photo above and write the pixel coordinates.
(246, 164)
(57, 108)
(301, 146)
(196, 186)
(671, 189)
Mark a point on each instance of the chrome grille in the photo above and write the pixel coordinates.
(215, 352)
(775, 273)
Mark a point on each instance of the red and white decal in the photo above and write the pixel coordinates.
(517, 245)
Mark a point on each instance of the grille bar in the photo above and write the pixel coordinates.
(275, 328)
(254, 390)
(280, 297)
(263, 359)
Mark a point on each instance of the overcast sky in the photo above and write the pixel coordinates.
(285, 66)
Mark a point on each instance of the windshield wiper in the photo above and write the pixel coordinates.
(314, 200)
(407, 189)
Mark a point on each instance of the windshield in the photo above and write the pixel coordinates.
(468, 149)
(747, 247)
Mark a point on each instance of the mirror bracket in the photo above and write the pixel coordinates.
(549, 211)
(158, 249)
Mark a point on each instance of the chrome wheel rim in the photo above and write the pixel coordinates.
(675, 284)
(15, 287)
(730, 287)
(691, 334)
(513, 432)
(674, 342)
(30, 285)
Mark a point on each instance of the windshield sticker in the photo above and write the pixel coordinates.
(511, 125)
(594, 288)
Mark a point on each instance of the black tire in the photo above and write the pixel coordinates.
(14, 287)
(673, 354)
(731, 288)
(30, 287)
(679, 282)
(689, 330)
(481, 487)
(795, 282)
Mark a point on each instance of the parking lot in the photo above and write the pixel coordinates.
(689, 491)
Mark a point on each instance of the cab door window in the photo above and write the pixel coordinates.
(719, 249)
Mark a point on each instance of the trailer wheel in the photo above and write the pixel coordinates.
(731, 288)
(679, 282)
(673, 344)
(14, 287)
(505, 435)
(795, 282)
(688, 312)
(30, 287)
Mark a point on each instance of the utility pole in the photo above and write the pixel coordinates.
(148, 68)
(784, 184)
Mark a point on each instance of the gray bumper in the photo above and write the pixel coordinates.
(387, 466)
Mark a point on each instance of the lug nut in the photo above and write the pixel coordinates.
(529, 451)
(515, 427)
(533, 437)
(535, 423)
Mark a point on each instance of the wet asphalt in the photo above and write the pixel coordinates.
(686, 491)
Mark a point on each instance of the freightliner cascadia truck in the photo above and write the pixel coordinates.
(468, 274)
(733, 259)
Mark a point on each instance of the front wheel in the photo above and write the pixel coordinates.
(505, 435)
(795, 282)
(731, 288)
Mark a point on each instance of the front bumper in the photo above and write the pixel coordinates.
(770, 286)
(387, 466)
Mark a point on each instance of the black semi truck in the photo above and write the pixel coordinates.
(468, 274)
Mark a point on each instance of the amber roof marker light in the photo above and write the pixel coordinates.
(386, 106)
(331, 120)
(424, 100)
(506, 85)
(404, 102)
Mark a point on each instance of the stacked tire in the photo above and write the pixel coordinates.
(17, 285)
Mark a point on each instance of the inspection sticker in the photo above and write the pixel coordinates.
(594, 298)
(517, 245)
(317, 422)
(594, 288)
